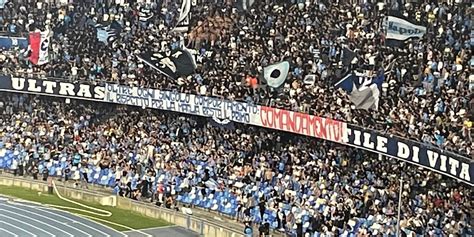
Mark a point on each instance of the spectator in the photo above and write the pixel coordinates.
(426, 96)
(305, 186)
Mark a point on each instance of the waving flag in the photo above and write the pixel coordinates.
(35, 41)
(174, 64)
(107, 34)
(275, 75)
(363, 91)
(400, 29)
(347, 56)
(145, 15)
(184, 16)
(39, 47)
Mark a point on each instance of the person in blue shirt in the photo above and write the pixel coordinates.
(12, 29)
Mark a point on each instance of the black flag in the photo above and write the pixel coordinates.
(347, 56)
(145, 15)
(173, 64)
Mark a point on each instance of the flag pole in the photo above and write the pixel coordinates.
(399, 206)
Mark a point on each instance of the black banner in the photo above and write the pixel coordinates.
(52, 88)
(424, 155)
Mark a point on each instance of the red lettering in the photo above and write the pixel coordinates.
(331, 128)
(278, 118)
(284, 120)
(304, 125)
(271, 117)
(263, 110)
(274, 118)
(293, 122)
(337, 130)
(324, 128)
(313, 130)
(297, 122)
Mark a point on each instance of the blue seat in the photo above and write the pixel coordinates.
(187, 199)
(116, 190)
(94, 176)
(196, 200)
(208, 204)
(111, 182)
(202, 203)
(103, 180)
(274, 224)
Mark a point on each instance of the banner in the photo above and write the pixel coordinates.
(10, 42)
(183, 103)
(304, 124)
(44, 48)
(224, 112)
(39, 46)
(52, 88)
(401, 29)
(424, 155)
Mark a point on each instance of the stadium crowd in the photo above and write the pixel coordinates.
(294, 184)
(427, 94)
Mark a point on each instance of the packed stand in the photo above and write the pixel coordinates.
(431, 76)
(298, 185)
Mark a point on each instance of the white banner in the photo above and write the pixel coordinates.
(44, 48)
(400, 29)
(183, 103)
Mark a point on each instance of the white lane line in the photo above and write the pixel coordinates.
(88, 218)
(116, 224)
(27, 224)
(48, 218)
(39, 208)
(152, 228)
(16, 227)
(44, 223)
(6, 231)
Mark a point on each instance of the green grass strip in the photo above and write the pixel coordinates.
(120, 216)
